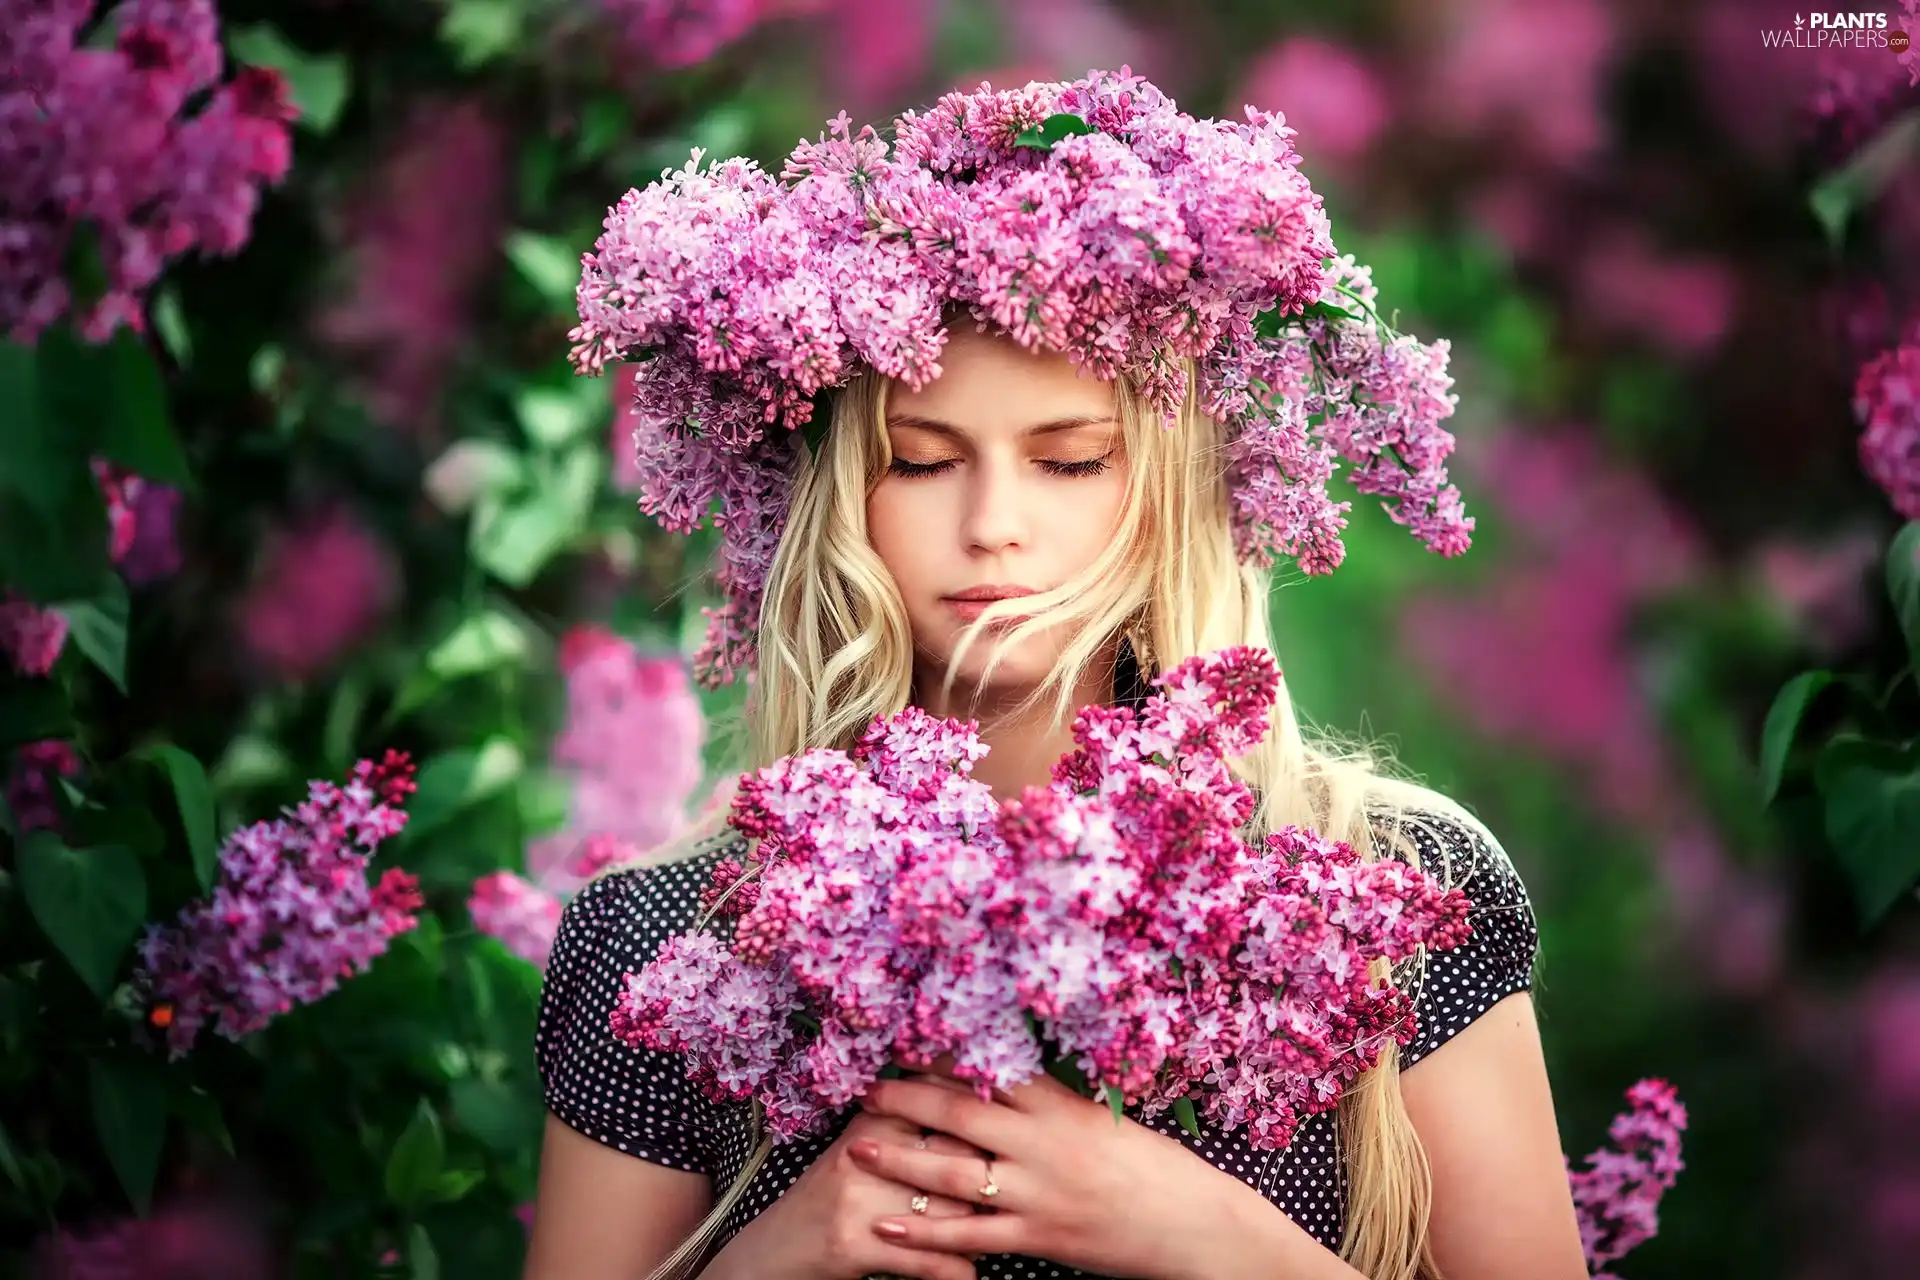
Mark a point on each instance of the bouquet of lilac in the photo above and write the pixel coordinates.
(1113, 928)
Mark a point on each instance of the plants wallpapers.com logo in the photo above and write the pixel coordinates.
(1856, 30)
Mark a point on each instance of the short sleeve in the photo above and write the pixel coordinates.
(631, 1099)
(1461, 984)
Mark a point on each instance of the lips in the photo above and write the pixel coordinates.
(986, 595)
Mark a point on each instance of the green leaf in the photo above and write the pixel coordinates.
(481, 643)
(200, 1111)
(99, 627)
(479, 31)
(1903, 584)
(548, 265)
(1783, 722)
(1059, 125)
(421, 1259)
(455, 780)
(33, 710)
(130, 1115)
(319, 83)
(453, 1184)
(133, 428)
(194, 796)
(1866, 173)
(497, 1115)
(1183, 1112)
(10, 1162)
(415, 1164)
(1116, 1101)
(554, 418)
(514, 540)
(89, 902)
(1872, 796)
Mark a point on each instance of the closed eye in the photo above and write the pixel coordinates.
(1088, 467)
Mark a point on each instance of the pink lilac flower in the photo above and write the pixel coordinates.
(31, 636)
(522, 916)
(1042, 39)
(31, 783)
(1680, 302)
(154, 553)
(94, 138)
(291, 915)
(418, 237)
(1910, 58)
(1886, 402)
(1326, 92)
(1617, 1195)
(1187, 256)
(1114, 920)
(323, 583)
(1821, 585)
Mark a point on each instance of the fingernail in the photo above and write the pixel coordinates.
(865, 1149)
(891, 1230)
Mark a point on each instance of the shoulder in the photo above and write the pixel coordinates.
(643, 904)
(1452, 988)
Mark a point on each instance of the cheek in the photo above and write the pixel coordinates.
(1082, 521)
(896, 536)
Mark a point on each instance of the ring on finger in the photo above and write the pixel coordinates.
(989, 1189)
(921, 1203)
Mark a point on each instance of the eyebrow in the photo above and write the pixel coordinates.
(935, 426)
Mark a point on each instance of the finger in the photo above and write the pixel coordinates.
(957, 1177)
(987, 1125)
(972, 1236)
(948, 1145)
(946, 1079)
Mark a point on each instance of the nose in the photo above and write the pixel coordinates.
(996, 515)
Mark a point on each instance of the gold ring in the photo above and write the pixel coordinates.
(921, 1203)
(989, 1189)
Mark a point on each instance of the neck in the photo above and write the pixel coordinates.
(1022, 746)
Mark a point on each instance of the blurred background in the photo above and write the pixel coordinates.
(293, 472)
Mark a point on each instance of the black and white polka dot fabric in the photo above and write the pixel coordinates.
(639, 1102)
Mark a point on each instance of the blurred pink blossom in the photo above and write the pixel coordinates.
(1530, 72)
(31, 783)
(1886, 403)
(174, 1243)
(1046, 39)
(31, 637)
(878, 49)
(1328, 93)
(1821, 586)
(1683, 302)
(522, 916)
(682, 33)
(322, 585)
(418, 240)
(626, 466)
(1890, 1011)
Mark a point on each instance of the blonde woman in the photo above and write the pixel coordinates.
(1007, 539)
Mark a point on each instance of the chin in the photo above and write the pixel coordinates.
(1020, 669)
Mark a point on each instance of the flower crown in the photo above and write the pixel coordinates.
(1093, 218)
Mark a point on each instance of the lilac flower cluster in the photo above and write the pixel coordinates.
(1886, 401)
(1136, 239)
(1618, 1195)
(1113, 925)
(33, 779)
(291, 915)
(523, 916)
(94, 137)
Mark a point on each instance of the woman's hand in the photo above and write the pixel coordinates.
(1074, 1186)
(822, 1228)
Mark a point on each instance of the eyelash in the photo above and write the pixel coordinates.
(1090, 467)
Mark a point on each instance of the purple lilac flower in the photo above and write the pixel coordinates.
(291, 914)
(31, 636)
(179, 1241)
(894, 910)
(1618, 1194)
(31, 782)
(322, 584)
(95, 138)
(1149, 248)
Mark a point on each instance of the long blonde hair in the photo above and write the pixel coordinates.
(835, 652)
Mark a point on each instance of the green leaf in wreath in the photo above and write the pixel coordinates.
(1783, 723)
(194, 796)
(89, 902)
(1903, 584)
(1059, 125)
(1116, 1101)
(417, 1160)
(1183, 1112)
(1871, 792)
(99, 627)
(130, 1115)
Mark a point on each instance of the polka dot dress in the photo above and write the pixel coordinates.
(639, 1102)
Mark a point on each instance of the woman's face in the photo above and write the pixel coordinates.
(1007, 478)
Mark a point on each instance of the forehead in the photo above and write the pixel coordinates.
(990, 383)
